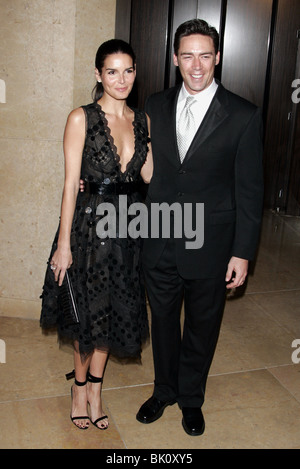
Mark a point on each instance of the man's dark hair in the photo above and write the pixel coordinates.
(196, 26)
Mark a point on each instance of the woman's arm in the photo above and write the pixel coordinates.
(74, 139)
(147, 168)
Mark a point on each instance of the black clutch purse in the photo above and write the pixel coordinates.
(67, 302)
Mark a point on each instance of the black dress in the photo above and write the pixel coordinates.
(106, 273)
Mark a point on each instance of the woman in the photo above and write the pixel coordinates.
(106, 144)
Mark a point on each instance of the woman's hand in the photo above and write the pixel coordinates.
(60, 262)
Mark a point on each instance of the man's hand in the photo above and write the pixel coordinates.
(237, 272)
(81, 185)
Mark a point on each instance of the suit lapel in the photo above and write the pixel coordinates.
(169, 111)
(214, 117)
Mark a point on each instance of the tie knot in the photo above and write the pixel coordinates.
(189, 101)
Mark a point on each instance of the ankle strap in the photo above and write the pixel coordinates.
(72, 375)
(94, 379)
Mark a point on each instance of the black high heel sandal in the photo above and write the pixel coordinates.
(78, 383)
(94, 379)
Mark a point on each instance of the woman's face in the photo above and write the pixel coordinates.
(117, 75)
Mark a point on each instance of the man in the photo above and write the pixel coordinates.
(220, 167)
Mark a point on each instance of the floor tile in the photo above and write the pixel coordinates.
(250, 339)
(45, 424)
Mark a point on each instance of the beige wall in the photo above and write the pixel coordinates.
(47, 51)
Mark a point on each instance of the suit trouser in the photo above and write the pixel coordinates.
(182, 359)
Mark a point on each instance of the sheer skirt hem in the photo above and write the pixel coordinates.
(121, 353)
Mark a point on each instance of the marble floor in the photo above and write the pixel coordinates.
(253, 390)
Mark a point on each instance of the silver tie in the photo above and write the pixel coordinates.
(186, 128)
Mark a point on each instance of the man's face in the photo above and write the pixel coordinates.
(196, 60)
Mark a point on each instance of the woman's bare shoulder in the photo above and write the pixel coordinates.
(77, 116)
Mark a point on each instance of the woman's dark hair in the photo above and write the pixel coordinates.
(195, 26)
(113, 46)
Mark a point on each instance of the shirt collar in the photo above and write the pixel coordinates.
(205, 94)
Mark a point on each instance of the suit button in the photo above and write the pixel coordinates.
(181, 171)
(180, 194)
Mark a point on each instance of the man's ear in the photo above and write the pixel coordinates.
(175, 60)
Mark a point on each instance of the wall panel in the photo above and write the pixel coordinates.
(149, 35)
(246, 47)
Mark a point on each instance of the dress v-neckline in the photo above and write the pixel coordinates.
(112, 145)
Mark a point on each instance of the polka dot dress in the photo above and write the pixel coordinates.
(106, 272)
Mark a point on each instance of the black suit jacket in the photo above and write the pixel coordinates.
(222, 170)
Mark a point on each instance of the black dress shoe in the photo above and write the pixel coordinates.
(193, 421)
(152, 410)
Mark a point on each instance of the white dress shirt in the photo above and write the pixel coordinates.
(203, 98)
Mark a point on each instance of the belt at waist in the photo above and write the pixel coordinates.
(115, 188)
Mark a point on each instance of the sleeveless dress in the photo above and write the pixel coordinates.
(106, 272)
